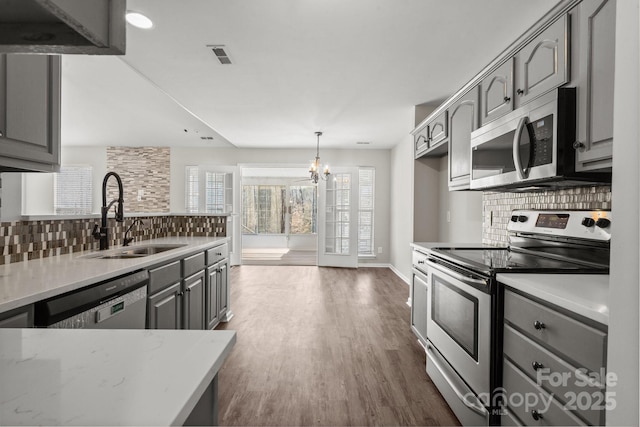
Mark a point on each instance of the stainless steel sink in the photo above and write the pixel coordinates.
(134, 251)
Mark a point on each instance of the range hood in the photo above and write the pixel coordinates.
(95, 27)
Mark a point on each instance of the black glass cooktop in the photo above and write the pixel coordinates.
(501, 260)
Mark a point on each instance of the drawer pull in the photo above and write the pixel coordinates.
(539, 325)
(537, 365)
(536, 415)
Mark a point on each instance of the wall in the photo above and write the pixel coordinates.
(145, 177)
(26, 240)
(380, 159)
(460, 213)
(498, 206)
(401, 200)
(624, 297)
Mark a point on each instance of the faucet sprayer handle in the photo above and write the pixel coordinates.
(120, 211)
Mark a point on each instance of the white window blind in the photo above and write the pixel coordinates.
(366, 190)
(73, 190)
(208, 190)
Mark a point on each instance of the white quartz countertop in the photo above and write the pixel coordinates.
(23, 283)
(583, 294)
(106, 377)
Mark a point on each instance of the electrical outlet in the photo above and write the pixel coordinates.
(379, 249)
(448, 216)
(140, 194)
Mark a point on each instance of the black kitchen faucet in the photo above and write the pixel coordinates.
(102, 232)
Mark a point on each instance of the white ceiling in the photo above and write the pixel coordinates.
(353, 69)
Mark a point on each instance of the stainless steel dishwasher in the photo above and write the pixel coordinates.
(118, 303)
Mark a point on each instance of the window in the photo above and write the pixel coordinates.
(303, 205)
(366, 190)
(208, 190)
(263, 209)
(73, 190)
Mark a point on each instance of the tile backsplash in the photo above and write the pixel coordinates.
(145, 174)
(25, 240)
(497, 207)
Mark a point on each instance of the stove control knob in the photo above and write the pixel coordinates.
(523, 218)
(514, 218)
(603, 222)
(588, 222)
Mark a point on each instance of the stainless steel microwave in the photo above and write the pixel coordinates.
(531, 148)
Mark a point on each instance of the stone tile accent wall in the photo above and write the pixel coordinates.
(497, 207)
(141, 168)
(25, 240)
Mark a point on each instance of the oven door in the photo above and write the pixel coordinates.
(459, 325)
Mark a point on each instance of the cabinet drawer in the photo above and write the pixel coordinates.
(218, 253)
(582, 344)
(161, 277)
(192, 264)
(529, 398)
(524, 353)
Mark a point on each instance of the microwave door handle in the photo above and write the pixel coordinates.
(516, 145)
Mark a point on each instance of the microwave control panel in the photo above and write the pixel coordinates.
(541, 132)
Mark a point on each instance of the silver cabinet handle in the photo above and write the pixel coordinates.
(457, 275)
(466, 396)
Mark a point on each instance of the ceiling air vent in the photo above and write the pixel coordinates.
(220, 53)
(206, 137)
(363, 142)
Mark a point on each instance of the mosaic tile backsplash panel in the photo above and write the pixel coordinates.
(145, 174)
(497, 207)
(25, 240)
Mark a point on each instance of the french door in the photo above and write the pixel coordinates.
(338, 219)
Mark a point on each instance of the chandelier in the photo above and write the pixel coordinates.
(314, 170)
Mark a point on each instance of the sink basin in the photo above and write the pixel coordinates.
(134, 251)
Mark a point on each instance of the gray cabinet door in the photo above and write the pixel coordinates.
(30, 112)
(165, 308)
(463, 119)
(211, 295)
(438, 129)
(596, 29)
(496, 93)
(419, 289)
(223, 287)
(421, 141)
(194, 301)
(542, 64)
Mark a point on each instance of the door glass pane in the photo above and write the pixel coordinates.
(303, 201)
(456, 312)
(338, 220)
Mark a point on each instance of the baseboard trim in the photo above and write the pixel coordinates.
(390, 267)
(400, 275)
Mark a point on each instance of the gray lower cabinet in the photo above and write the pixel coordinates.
(164, 310)
(554, 355)
(194, 301)
(463, 119)
(543, 64)
(17, 318)
(217, 286)
(30, 112)
(595, 81)
(419, 298)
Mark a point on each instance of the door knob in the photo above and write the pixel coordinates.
(507, 99)
(520, 92)
(539, 325)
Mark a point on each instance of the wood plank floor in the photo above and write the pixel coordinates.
(324, 346)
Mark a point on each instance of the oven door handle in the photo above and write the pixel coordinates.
(457, 275)
(466, 396)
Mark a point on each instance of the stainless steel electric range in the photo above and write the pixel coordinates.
(462, 335)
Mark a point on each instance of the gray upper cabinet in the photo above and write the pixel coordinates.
(595, 81)
(438, 130)
(463, 119)
(496, 93)
(29, 113)
(421, 141)
(543, 64)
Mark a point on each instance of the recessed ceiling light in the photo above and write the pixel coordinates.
(137, 19)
